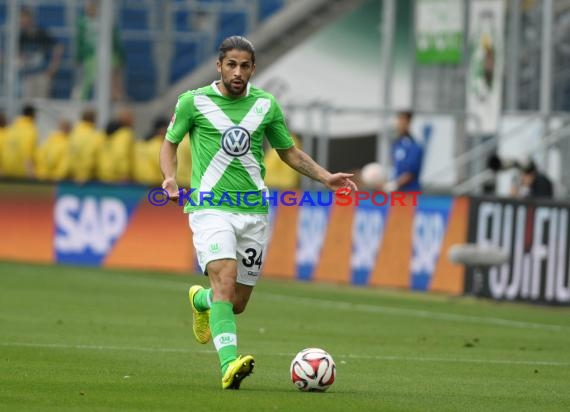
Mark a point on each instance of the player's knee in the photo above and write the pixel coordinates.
(223, 292)
(223, 280)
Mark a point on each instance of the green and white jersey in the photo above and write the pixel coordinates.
(226, 142)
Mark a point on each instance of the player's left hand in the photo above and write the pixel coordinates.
(171, 188)
(340, 181)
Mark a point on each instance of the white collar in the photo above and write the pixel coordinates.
(217, 90)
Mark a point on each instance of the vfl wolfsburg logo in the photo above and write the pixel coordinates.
(236, 141)
(226, 339)
(215, 247)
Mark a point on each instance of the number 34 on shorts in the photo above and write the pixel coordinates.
(225, 235)
(254, 258)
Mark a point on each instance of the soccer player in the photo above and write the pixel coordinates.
(407, 158)
(226, 122)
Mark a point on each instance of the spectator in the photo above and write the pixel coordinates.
(40, 57)
(278, 175)
(53, 155)
(146, 165)
(20, 145)
(84, 145)
(3, 133)
(407, 158)
(87, 37)
(104, 167)
(115, 162)
(530, 183)
(534, 183)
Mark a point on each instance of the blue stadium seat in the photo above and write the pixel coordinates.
(269, 7)
(67, 45)
(3, 12)
(52, 15)
(231, 23)
(140, 71)
(133, 19)
(141, 84)
(182, 20)
(184, 60)
(62, 83)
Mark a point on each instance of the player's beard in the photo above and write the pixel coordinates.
(233, 90)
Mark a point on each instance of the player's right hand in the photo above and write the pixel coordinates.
(171, 188)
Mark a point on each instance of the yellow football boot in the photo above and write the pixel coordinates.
(237, 371)
(200, 320)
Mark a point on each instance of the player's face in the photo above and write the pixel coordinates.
(236, 70)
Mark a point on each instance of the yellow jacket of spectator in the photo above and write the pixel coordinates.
(146, 162)
(84, 145)
(105, 167)
(116, 158)
(19, 147)
(139, 164)
(184, 158)
(278, 174)
(3, 133)
(52, 162)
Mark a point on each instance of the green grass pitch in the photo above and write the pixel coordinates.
(75, 339)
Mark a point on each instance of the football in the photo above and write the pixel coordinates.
(313, 370)
(373, 176)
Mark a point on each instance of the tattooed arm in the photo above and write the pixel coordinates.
(304, 164)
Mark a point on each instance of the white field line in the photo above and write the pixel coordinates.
(341, 357)
(424, 314)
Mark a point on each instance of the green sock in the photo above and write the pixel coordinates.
(223, 326)
(203, 300)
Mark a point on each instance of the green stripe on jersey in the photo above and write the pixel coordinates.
(226, 141)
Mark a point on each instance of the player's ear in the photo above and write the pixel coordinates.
(219, 65)
(253, 69)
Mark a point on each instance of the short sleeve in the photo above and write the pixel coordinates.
(277, 132)
(182, 119)
(413, 161)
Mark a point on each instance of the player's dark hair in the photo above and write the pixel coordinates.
(236, 43)
(408, 114)
(29, 110)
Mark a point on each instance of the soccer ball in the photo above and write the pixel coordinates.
(313, 370)
(373, 175)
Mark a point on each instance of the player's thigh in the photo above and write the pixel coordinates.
(215, 242)
(251, 247)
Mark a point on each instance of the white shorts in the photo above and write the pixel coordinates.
(225, 235)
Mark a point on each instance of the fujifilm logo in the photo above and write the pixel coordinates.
(537, 240)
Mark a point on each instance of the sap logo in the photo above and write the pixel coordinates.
(312, 229)
(429, 230)
(88, 223)
(367, 231)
